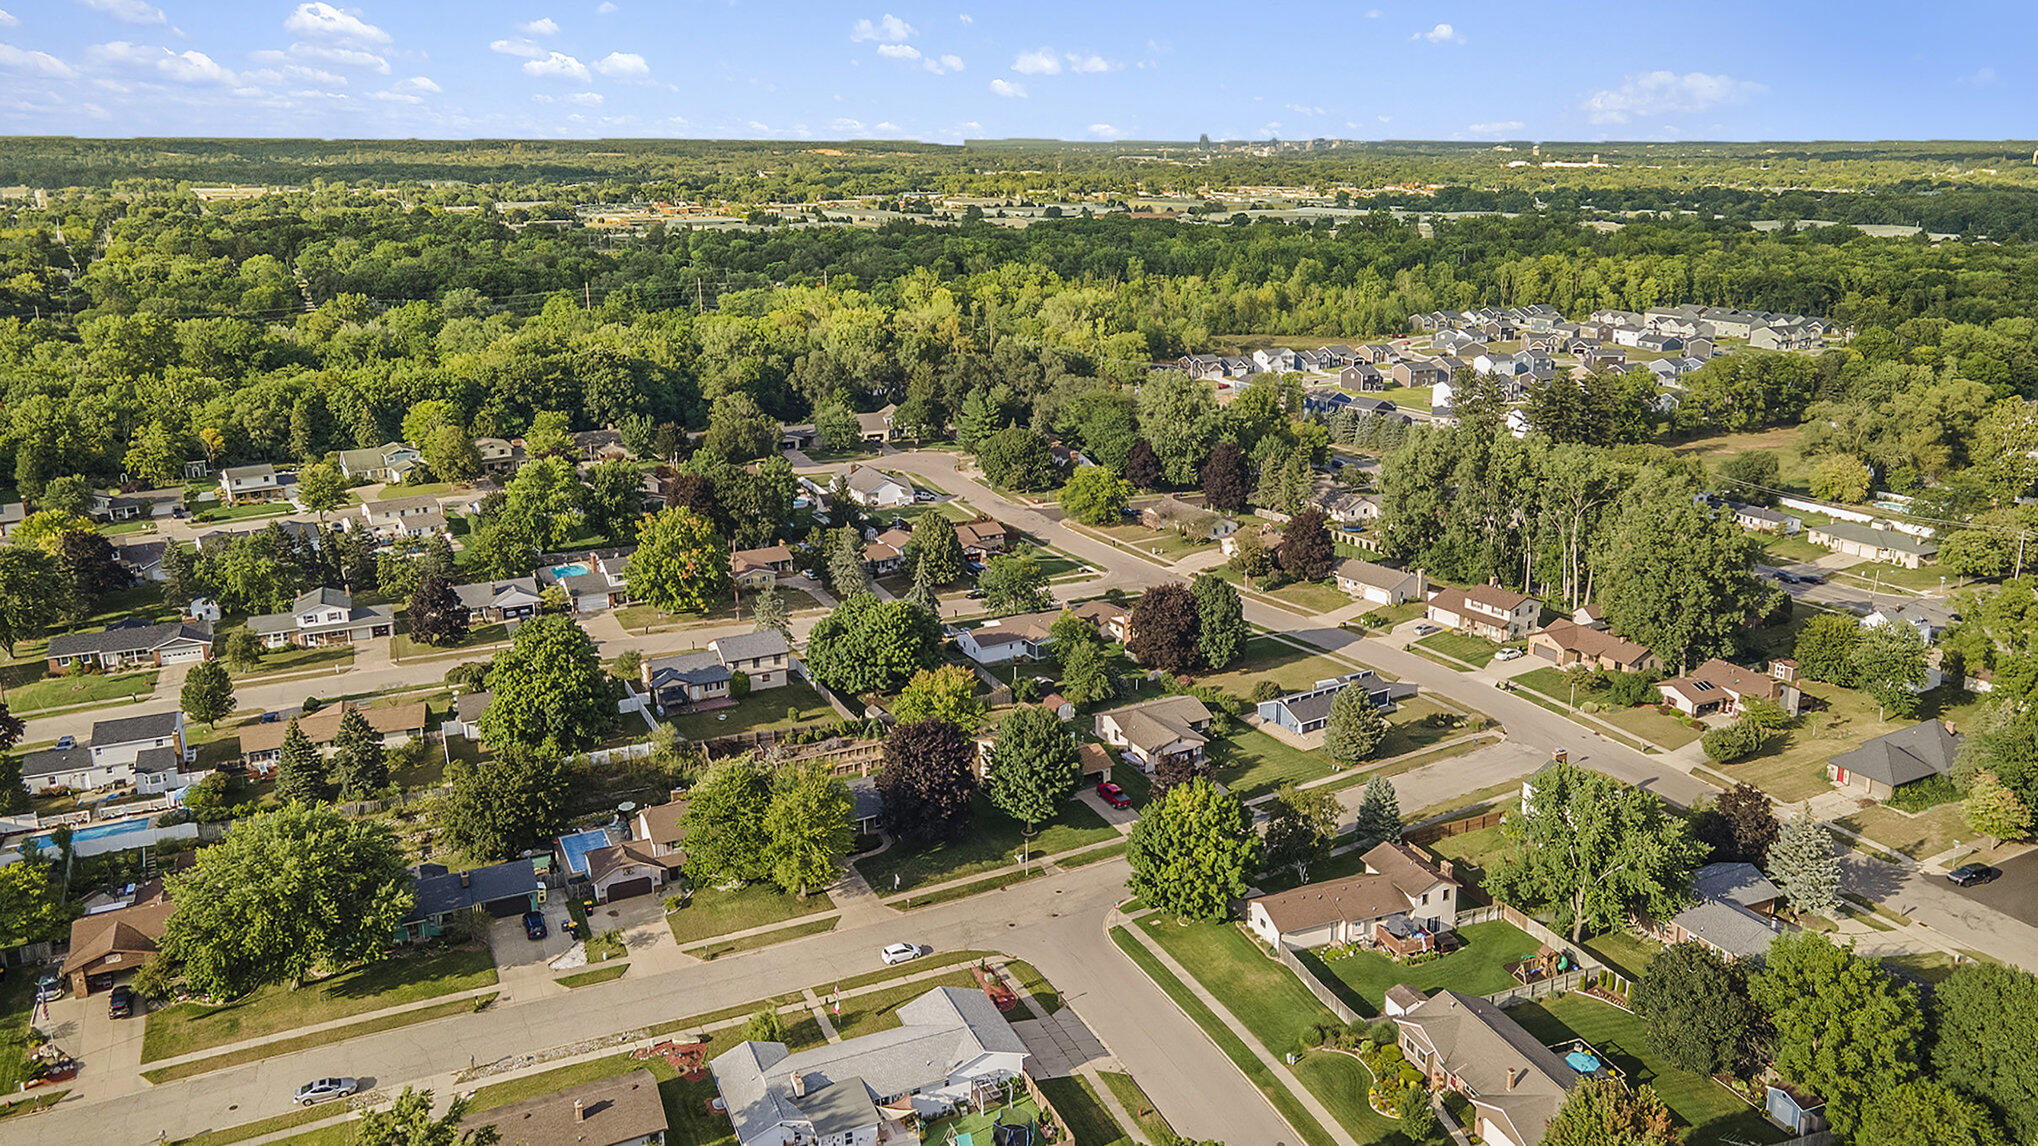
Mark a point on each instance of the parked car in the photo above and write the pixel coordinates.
(899, 953)
(325, 1090)
(1969, 874)
(975, 594)
(1507, 654)
(1426, 629)
(1786, 577)
(923, 495)
(271, 717)
(1810, 579)
(65, 743)
(1113, 795)
(534, 925)
(120, 1004)
(50, 987)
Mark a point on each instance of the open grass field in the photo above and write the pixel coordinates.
(1475, 651)
(1477, 968)
(1793, 467)
(710, 912)
(993, 842)
(188, 1027)
(1252, 763)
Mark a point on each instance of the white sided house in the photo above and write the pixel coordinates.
(323, 617)
(951, 1043)
(875, 489)
(1166, 729)
(1399, 894)
(1488, 611)
(1371, 581)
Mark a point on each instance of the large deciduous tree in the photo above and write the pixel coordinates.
(548, 686)
(1223, 476)
(946, 693)
(32, 594)
(435, 613)
(1675, 577)
(1034, 766)
(1301, 827)
(1845, 1029)
(938, 551)
(1983, 1018)
(208, 693)
(1143, 466)
(724, 823)
(1015, 583)
(511, 800)
(410, 1122)
(1606, 1112)
(1085, 673)
(1193, 851)
(1824, 649)
(1698, 1011)
(286, 893)
(1595, 850)
(1306, 551)
(868, 645)
(681, 564)
(1889, 664)
(927, 781)
(1926, 1112)
(1739, 826)
(806, 827)
(1177, 416)
(1094, 495)
(1167, 630)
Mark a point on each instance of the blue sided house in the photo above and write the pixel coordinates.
(505, 890)
(1308, 711)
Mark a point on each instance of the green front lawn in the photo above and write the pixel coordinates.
(993, 842)
(1477, 968)
(1883, 576)
(17, 999)
(1409, 727)
(1271, 658)
(187, 1027)
(1643, 720)
(879, 1010)
(1792, 766)
(298, 660)
(710, 912)
(792, 703)
(1162, 544)
(1252, 763)
(404, 645)
(86, 688)
(1310, 596)
(1475, 651)
(1715, 1114)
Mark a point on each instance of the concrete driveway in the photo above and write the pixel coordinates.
(641, 920)
(522, 965)
(108, 1050)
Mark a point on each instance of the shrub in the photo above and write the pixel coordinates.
(1384, 1033)
(1736, 740)
(1265, 690)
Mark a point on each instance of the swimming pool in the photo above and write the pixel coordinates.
(1584, 1062)
(92, 832)
(577, 845)
(561, 572)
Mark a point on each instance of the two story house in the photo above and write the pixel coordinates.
(396, 517)
(1402, 900)
(766, 658)
(323, 617)
(390, 462)
(1164, 730)
(1485, 611)
(239, 484)
(146, 751)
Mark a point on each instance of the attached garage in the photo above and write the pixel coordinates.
(625, 889)
(181, 653)
(622, 870)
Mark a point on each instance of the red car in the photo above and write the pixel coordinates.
(1113, 794)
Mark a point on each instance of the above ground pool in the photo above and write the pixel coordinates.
(1584, 1062)
(91, 832)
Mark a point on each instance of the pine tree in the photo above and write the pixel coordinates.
(1379, 814)
(1803, 864)
(1085, 677)
(922, 592)
(768, 612)
(301, 769)
(1355, 730)
(1221, 630)
(180, 576)
(357, 766)
(846, 570)
(977, 421)
(936, 547)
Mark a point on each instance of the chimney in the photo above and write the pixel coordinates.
(466, 879)
(799, 1085)
(1951, 730)
(1514, 1075)
(579, 1111)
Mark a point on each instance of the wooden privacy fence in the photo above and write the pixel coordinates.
(1324, 994)
(1435, 832)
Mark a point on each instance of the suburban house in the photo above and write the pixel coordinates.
(981, 539)
(762, 566)
(143, 560)
(465, 719)
(592, 581)
(1869, 543)
(499, 456)
(617, 868)
(1882, 765)
(951, 1042)
(1401, 901)
(147, 752)
(391, 462)
(876, 426)
(1735, 912)
(1002, 640)
(1484, 611)
(1110, 620)
(491, 602)
(1268, 533)
(1371, 581)
(1347, 508)
(621, 1111)
(249, 483)
(106, 945)
(323, 617)
(1362, 377)
(1567, 643)
(1191, 521)
(140, 505)
(12, 514)
(1166, 729)
(131, 644)
(884, 551)
(504, 890)
(1929, 620)
(875, 489)
(686, 680)
(1784, 336)
(659, 828)
(1308, 711)
(1761, 519)
(1468, 1044)
(603, 445)
(395, 517)
(1719, 687)
(396, 724)
(764, 657)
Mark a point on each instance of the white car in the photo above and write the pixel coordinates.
(1425, 629)
(899, 953)
(1507, 654)
(325, 1090)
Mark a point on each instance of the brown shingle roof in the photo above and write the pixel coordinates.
(1574, 637)
(135, 930)
(625, 1108)
(320, 726)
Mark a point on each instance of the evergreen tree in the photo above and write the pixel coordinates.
(357, 765)
(1355, 729)
(847, 573)
(435, 613)
(301, 769)
(1165, 630)
(1221, 631)
(1379, 814)
(1803, 864)
(768, 612)
(922, 591)
(937, 549)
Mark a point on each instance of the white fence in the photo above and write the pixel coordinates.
(621, 752)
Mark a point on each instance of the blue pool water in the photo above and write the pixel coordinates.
(561, 572)
(92, 832)
(577, 845)
(1583, 1062)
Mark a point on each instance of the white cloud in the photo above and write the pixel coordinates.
(966, 17)
(1981, 78)
(542, 26)
(1441, 34)
(1008, 89)
(1105, 131)
(1665, 93)
(607, 8)
(886, 125)
(1041, 63)
(888, 30)
(396, 97)
(1079, 62)
(623, 66)
(585, 99)
(898, 51)
(557, 66)
(845, 125)
(7, 19)
(21, 59)
(942, 65)
(180, 67)
(1384, 118)
(419, 84)
(127, 11)
(522, 49)
(324, 22)
(1303, 109)
(1372, 13)
(1500, 128)
(349, 57)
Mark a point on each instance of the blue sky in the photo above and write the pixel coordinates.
(1372, 69)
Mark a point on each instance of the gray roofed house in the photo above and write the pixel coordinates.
(150, 726)
(249, 483)
(951, 1040)
(174, 642)
(143, 559)
(1733, 915)
(1380, 584)
(509, 599)
(299, 532)
(1158, 730)
(1514, 1082)
(688, 679)
(1308, 711)
(502, 890)
(1741, 883)
(1882, 765)
(751, 646)
(1866, 541)
(874, 488)
(323, 617)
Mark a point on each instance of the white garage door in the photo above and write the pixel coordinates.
(178, 656)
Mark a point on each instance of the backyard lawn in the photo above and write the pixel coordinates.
(711, 911)
(794, 702)
(1477, 968)
(1279, 1011)
(1473, 854)
(1715, 1114)
(17, 996)
(1792, 766)
(1475, 651)
(1252, 763)
(993, 842)
(1624, 951)
(187, 1027)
